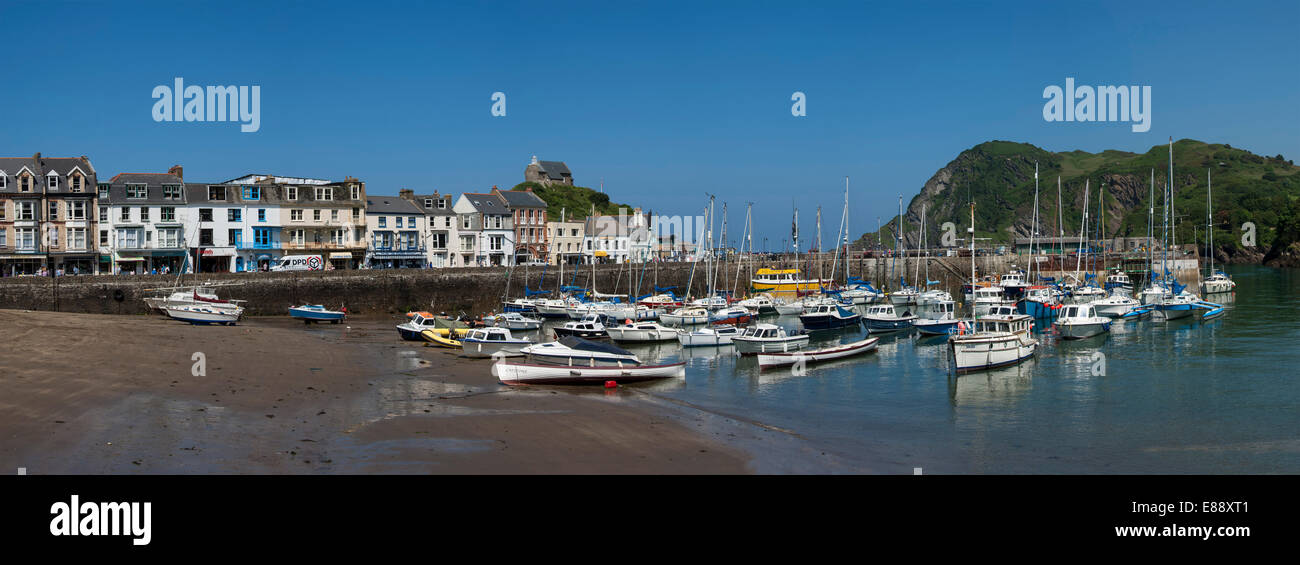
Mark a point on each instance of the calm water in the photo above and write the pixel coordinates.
(1178, 397)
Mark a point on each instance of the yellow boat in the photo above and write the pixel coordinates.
(439, 339)
(444, 332)
(784, 281)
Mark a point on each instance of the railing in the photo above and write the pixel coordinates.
(397, 248)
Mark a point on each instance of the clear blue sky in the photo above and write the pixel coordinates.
(663, 101)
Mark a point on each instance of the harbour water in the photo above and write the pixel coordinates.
(1186, 396)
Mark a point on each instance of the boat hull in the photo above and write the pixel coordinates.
(1081, 330)
(316, 315)
(480, 349)
(838, 352)
(524, 373)
(827, 322)
(754, 346)
(584, 334)
(979, 354)
(1038, 310)
(878, 325)
(201, 316)
(932, 327)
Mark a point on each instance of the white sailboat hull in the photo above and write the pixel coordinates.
(521, 373)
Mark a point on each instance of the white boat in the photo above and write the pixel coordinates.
(204, 314)
(762, 303)
(1116, 305)
(580, 310)
(1079, 321)
(861, 296)
(417, 322)
(1086, 294)
(731, 315)
(1217, 283)
(790, 308)
(999, 339)
(766, 360)
(523, 373)
(181, 297)
(519, 305)
(884, 318)
(710, 303)
(661, 302)
(989, 297)
(515, 321)
(686, 317)
(492, 342)
(641, 331)
(1153, 294)
(905, 296)
(713, 336)
(1178, 306)
(1013, 283)
(768, 338)
(555, 307)
(1118, 279)
(933, 296)
(578, 352)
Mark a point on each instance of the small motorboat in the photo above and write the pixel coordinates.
(309, 313)
(437, 337)
(1079, 321)
(762, 303)
(417, 322)
(641, 332)
(1115, 305)
(515, 321)
(524, 373)
(768, 360)
(589, 327)
(905, 296)
(828, 317)
(661, 302)
(492, 342)
(200, 314)
(884, 318)
(768, 338)
(714, 336)
(937, 319)
(577, 352)
(554, 307)
(732, 316)
(988, 297)
(686, 317)
(999, 339)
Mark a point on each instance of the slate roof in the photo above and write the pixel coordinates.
(555, 170)
(391, 205)
(522, 199)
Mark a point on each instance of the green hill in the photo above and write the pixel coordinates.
(576, 201)
(999, 177)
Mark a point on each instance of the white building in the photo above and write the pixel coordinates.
(397, 228)
(486, 230)
(442, 227)
(142, 221)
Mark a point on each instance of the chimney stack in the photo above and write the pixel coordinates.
(407, 194)
(178, 171)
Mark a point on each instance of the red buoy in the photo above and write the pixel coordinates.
(611, 384)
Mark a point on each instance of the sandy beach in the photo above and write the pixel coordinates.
(103, 394)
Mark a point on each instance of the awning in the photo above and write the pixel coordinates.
(264, 257)
(120, 259)
(340, 255)
(218, 252)
(602, 254)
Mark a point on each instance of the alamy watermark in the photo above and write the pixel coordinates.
(180, 103)
(1100, 104)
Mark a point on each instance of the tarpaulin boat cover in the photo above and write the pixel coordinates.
(580, 344)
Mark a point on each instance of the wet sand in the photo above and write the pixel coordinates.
(100, 394)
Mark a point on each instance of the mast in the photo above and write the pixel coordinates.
(902, 279)
(1083, 233)
(819, 247)
(1033, 230)
(847, 252)
(1060, 228)
(1209, 222)
(924, 245)
(1151, 229)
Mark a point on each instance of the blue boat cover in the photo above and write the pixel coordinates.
(574, 342)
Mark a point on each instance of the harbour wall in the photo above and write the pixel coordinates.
(454, 291)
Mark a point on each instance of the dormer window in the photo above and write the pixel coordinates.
(136, 190)
(326, 193)
(76, 182)
(442, 203)
(52, 180)
(356, 192)
(171, 191)
(103, 190)
(428, 203)
(4, 180)
(216, 193)
(25, 183)
(290, 193)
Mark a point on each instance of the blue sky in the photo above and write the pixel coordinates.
(665, 102)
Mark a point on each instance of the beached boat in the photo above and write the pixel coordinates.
(578, 352)
(309, 313)
(1079, 321)
(177, 296)
(205, 314)
(641, 332)
(440, 337)
(999, 339)
(686, 317)
(590, 327)
(417, 322)
(524, 373)
(766, 360)
(713, 336)
(829, 317)
(768, 338)
(884, 318)
(515, 321)
(492, 342)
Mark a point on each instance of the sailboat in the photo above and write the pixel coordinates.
(1218, 281)
(905, 295)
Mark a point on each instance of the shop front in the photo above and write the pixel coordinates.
(20, 264)
(396, 260)
(75, 263)
(217, 259)
(344, 260)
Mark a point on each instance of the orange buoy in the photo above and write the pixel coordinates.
(611, 384)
